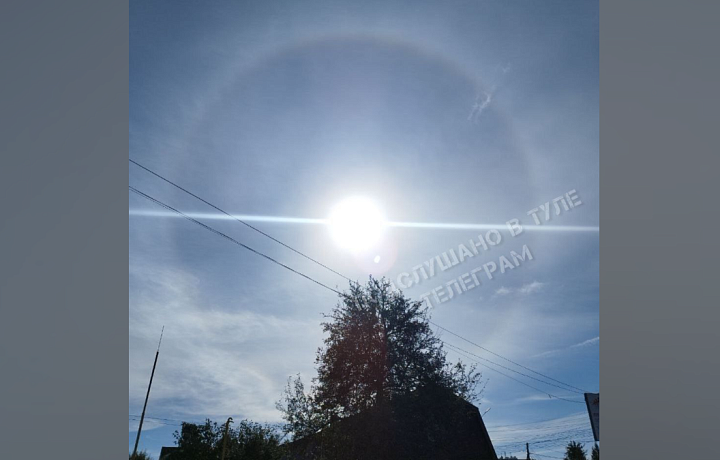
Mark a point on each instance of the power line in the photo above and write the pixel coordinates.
(554, 450)
(550, 456)
(547, 456)
(158, 418)
(506, 359)
(551, 430)
(229, 238)
(559, 437)
(217, 232)
(578, 415)
(207, 227)
(547, 444)
(179, 187)
(513, 378)
(236, 218)
(455, 348)
(517, 372)
(550, 445)
(541, 429)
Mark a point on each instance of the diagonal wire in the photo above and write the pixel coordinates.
(513, 378)
(320, 264)
(510, 369)
(231, 239)
(506, 359)
(236, 218)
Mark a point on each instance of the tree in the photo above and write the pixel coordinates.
(247, 441)
(595, 455)
(142, 455)
(300, 410)
(575, 451)
(379, 346)
(197, 441)
(253, 441)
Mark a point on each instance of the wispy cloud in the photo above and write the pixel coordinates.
(482, 101)
(525, 289)
(148, 424)
(587, 342)
(532, 287)
(213, 362)
(582, 344)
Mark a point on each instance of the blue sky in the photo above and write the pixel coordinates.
(452, 112)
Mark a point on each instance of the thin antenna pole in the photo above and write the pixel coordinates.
(161, 334)
(147, 395)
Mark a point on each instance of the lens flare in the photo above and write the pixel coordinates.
(314, 221)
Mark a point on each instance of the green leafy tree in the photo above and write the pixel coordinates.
(379, 346)
(575, 451)
(247, 441)
(253, 441)
(142, 455)
(198, 441)
(300, 410)
(595, 455)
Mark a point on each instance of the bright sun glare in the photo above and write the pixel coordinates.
(356, 224)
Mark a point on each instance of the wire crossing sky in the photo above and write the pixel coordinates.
(457, 349)
(439, 122)
(176, 212)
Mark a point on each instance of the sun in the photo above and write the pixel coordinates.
(356, 224)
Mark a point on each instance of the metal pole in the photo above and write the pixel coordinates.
(147, 395)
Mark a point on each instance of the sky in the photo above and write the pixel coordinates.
(441, 113)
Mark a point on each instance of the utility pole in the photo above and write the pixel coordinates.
(227, 427)
(147, 395)
(527, 449)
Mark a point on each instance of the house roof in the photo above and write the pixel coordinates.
(428, 423)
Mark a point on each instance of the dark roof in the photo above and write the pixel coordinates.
(165, 452)
(431, 423)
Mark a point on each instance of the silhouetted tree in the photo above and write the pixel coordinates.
(300, 410)
(252, 441)
(196, 441)
(575, 451)
(142, 455)
(595, 454)
(379, 346)
(247, 441)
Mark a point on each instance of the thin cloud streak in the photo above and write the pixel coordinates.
(480, 106)
(586, 343)
(583, 344)
(525, 289)
(213, 362)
